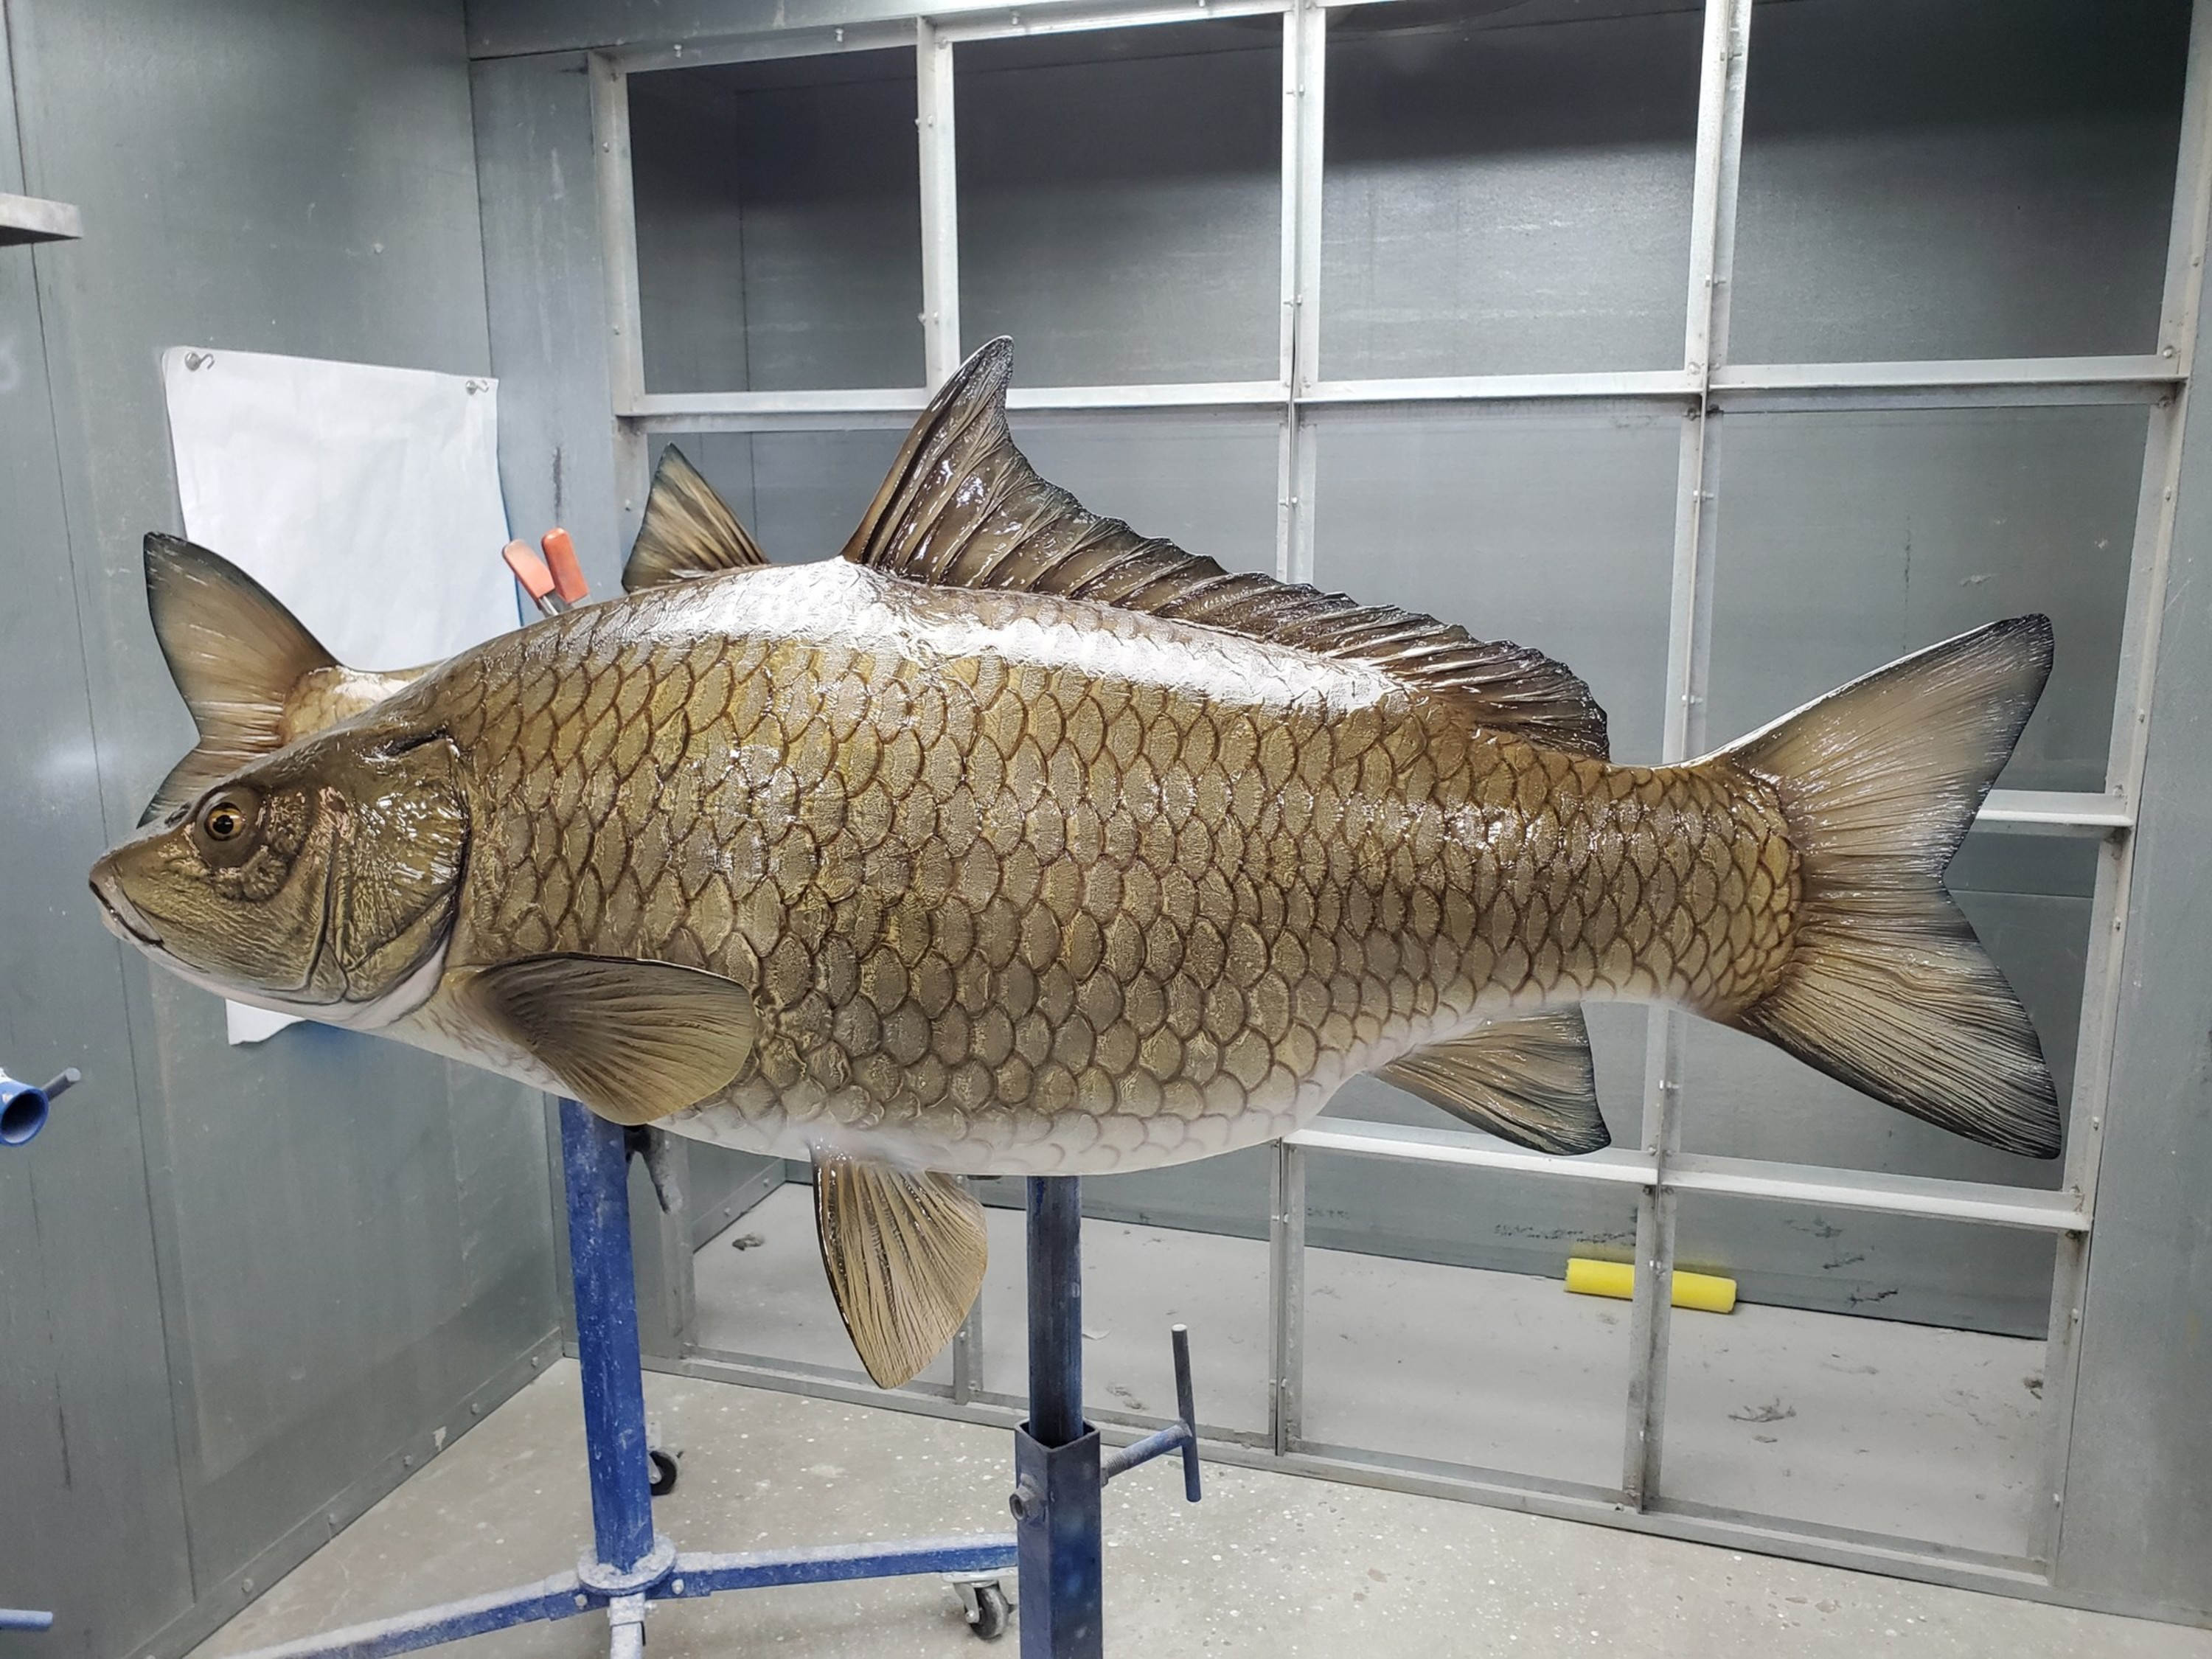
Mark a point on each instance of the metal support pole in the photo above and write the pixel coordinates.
(1056, 1463)
(596, 1165)
(1055, 1276)
(1286, 1299)
(941, 203)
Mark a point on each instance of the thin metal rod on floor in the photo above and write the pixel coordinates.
(595, 1164)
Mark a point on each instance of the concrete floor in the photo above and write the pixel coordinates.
(1858, 1422)
(1269, 1565)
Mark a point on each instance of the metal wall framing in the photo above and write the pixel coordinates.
(1708, 382)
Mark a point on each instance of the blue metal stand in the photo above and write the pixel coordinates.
(630, 1566)
(1058, 1471)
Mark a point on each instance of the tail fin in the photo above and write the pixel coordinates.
(1887, 989)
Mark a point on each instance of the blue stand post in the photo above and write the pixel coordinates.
(1057, 1474)
(595, 1164)
(1058, 1471)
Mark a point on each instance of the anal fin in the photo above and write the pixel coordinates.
(904, 1250)
(633, 1040)
(1529, 1081)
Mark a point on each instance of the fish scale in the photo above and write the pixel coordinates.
(1042, 912)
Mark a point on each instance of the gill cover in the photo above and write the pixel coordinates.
(403, 851)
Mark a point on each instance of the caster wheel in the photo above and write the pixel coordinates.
(664, 1472)
(992, 1615)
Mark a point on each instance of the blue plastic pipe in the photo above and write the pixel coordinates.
(23, 1109)
(596, 1168)
(25, 1618)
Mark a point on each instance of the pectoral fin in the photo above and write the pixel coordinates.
(1529, 1081)
(904, 1250)
(634, 1040)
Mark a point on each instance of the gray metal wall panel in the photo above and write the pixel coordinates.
(88, 1458)
(781, 203)
(1966, 178)
(691, 233)
(349, 1237)
(1553, 530)
(1847, 539)
(801, 494)
(1205, 482)
(2138, 1518)
(1120, 208)
(1499, 198)
(538, 189)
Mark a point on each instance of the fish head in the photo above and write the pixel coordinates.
(320, 881)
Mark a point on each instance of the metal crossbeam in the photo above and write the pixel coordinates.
(1816, 1186)
(2007, 383)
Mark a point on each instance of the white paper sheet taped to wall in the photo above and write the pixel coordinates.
(366, 499)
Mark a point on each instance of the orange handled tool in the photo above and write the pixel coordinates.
(561, 560)
(537, 580)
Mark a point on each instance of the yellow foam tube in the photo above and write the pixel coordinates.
(1706, 1291)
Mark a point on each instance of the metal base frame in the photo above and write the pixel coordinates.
(629, 1565)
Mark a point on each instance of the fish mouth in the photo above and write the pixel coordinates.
(122, 917)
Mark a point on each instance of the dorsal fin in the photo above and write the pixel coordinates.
(235, 653)
(254, 677)
(963, 507)
(688, 531)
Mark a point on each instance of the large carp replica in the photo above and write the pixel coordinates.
(1015, 843)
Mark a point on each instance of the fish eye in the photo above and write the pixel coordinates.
(226, 817)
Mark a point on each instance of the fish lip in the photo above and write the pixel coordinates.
(119, 913)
